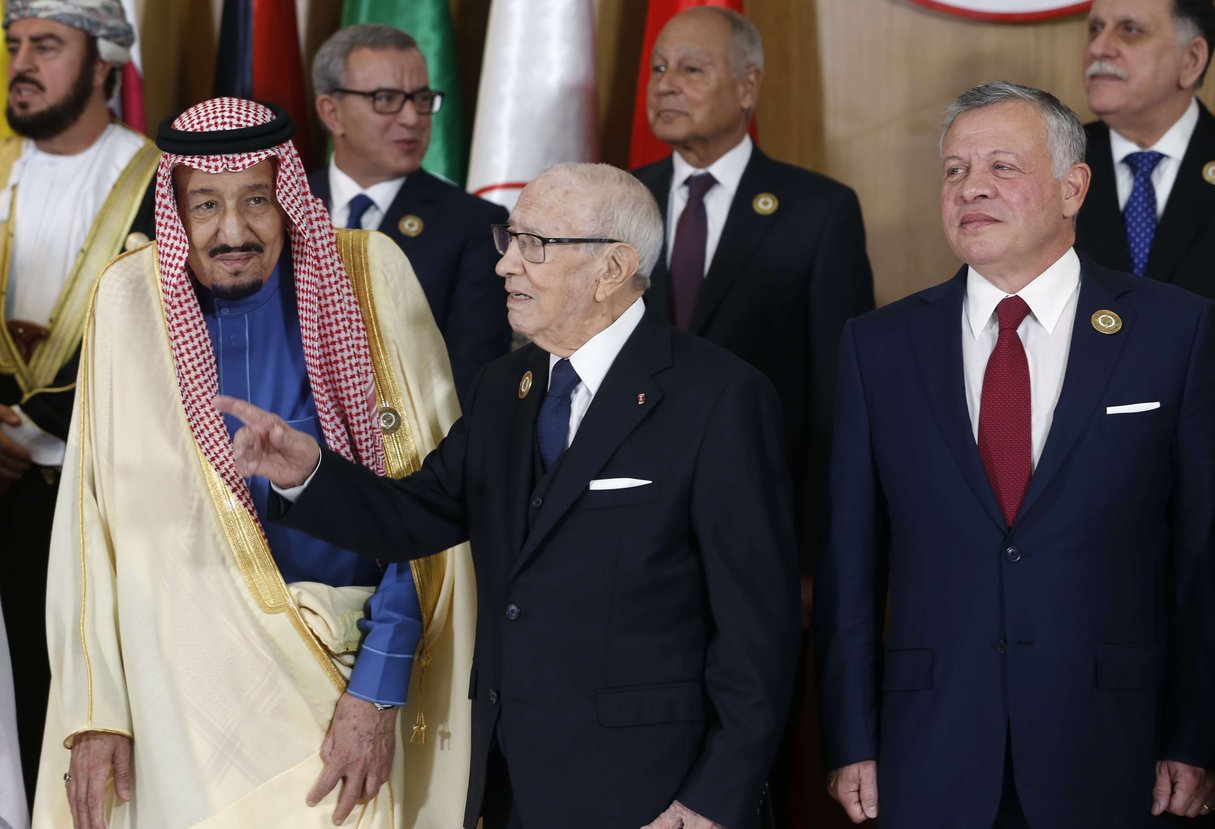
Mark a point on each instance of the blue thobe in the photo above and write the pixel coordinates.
(260, 358)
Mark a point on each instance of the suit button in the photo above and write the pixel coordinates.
(1000, 647)
(512, 611)
(537, 502)
(1012, 554)
(493, 697)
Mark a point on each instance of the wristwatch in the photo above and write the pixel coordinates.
(385, 706)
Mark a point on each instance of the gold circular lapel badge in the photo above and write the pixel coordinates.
(525, 384)
(1106, 322)
(1208, 172)
(765, 204)
(410, 225)
(390, 420)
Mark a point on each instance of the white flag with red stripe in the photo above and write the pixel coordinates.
(538, 101)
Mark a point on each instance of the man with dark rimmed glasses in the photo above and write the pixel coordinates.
(374, 98)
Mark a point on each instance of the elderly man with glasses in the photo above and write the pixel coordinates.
(374, 98)
(624, 489)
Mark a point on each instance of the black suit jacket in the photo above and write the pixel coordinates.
(634, 645)
(1183, 251)
(777, 294)
(454, 260)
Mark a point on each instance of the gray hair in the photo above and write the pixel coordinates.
(746, 47)
(619, 207)
(1064, 133)
(329, 65)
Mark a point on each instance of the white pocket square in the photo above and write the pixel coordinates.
(618, 483)
(1131, 408)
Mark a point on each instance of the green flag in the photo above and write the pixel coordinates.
(429, 21)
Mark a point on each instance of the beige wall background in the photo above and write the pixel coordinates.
(853, 88)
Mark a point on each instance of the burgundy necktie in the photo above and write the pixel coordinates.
(1005, 429)
(688, 251)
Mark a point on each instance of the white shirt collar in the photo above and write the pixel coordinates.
(728, 170)
(1172, 144)
(342, 188)
(1046, 295)
(597, 354)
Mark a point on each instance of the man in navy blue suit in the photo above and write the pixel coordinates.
(624, 490)
(374, 98)
(1025, 466)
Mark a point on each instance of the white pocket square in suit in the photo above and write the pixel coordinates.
(618, 483)
(1131, 408)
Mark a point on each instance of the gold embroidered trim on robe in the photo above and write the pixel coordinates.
(104, 242)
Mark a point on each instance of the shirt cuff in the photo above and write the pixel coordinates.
(292, 493)
(381, 677)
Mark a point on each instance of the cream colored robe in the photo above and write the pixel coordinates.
(168, 622)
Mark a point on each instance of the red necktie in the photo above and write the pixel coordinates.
(1005, 429)
(688, 251)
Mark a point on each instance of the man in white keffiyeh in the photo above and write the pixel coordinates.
(211, 670)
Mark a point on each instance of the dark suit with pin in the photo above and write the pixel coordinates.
(1183, 250)
(445, 233)
(1086, 633)
(789, 269)
(635, 645)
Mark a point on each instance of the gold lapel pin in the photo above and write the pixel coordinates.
(1208, 172)
(390, 420)
(525, 384)
(1106, 322)
(765, 204)
(641, 399)
(410, 225)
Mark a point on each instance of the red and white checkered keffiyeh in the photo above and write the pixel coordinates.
(336, 354)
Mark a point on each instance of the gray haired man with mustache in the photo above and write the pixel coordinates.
(1151, 209)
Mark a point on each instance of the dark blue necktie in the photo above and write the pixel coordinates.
(553, 422)
(1140, 211)
(358, 206)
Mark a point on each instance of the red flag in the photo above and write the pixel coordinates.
(644, 147)
(131, 95)
(259, 58)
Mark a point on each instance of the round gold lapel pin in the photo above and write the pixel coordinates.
(1208, 172)
(410, 225)
(525, 384)
(1106, 322)
(390, 420)
(765, 204)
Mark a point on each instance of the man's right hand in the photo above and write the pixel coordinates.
(855, 787)
(268, 447)
(95, 756)
(14, 458)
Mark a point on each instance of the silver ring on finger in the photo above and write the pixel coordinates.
(67, 777)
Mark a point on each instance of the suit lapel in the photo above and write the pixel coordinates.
(611, 418)
(744, 230)
(418, 189)
(657, 177)
(1090, 360)
(936, 340)
(318, 182)
(522, 443)
(1191, 202)
(1104, 231)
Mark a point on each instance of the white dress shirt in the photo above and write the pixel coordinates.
(728, 170)
(1046, 334)
(1172, 145)
(342, 188)
(592, 361)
